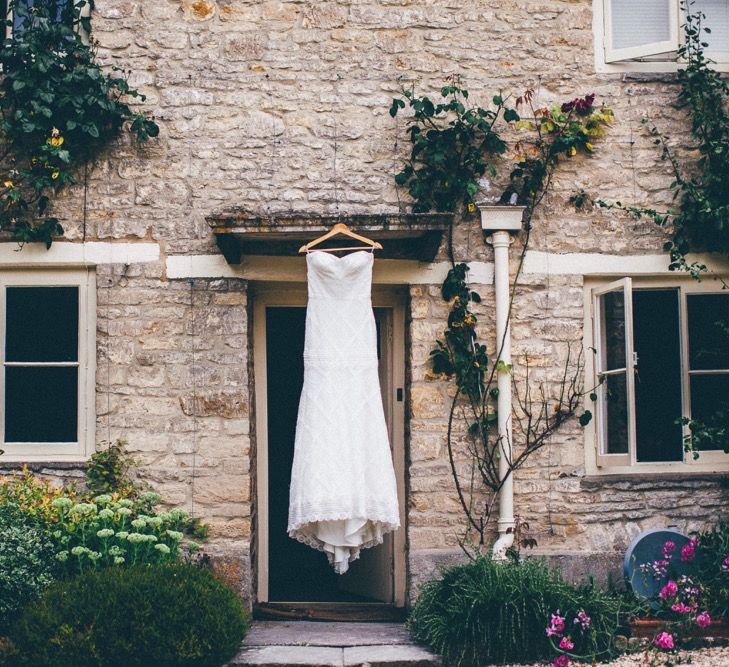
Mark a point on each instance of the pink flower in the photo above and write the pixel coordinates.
(688, 552)
(669, 590)
(668, 548)
(566, 644)
(561, 661)
(681, 608)
(583, 619)
(725, 564)
(556, 625)
(664, 640)
(703, 620)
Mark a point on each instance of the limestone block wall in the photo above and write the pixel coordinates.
(281, 106)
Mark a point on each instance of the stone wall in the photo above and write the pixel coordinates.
(281, 106)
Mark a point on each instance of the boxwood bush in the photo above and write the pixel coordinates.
(163, 615)
(486, 612)
(26, 561)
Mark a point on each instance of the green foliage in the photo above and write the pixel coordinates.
(26, 561)
(556, 133)
(31, 494)
(108, 471)
(486, 613)
(711, 568)
(168, 615)
(58, 110)
(699, 221)
(451, 147)
(112, 533)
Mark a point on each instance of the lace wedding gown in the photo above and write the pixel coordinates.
(343, 494)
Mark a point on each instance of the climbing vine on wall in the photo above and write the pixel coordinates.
(58, 110)
(699, 221)
(452, 147)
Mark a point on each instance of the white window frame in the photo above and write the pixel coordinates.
(81, 450)
(658, 57)
(596, 461)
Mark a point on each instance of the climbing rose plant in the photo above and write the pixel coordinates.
(58, 110)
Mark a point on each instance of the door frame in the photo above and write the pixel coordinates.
(293, 295)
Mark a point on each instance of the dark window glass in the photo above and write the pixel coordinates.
(41, 324)
(59, 9)
(613, 317)
(41, 404)
(710, 400)
(617, 413)
(708, 324)
(657, 341)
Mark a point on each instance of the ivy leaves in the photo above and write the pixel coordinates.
(58, 110)
(452, 147)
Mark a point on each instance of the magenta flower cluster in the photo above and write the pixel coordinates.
(725, 564)
(664, 641)
(580, 105)
(557, 629)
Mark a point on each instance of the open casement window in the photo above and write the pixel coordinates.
(615, 360)
(650, 30)
(661, 355)
(47, 331)
(641, 29)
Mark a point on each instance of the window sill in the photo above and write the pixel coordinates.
(40, 465)
(608, 478)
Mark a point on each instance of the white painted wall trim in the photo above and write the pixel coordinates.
(66, 253)
(597, 264)
(293, 269)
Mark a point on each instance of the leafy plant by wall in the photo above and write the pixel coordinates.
(494, 613)
(59, 109)
(173, 615)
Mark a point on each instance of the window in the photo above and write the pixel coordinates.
(644, 35)
(661, 354)
(47, 321)
(61, 10)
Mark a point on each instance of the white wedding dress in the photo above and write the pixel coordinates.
(343, 495)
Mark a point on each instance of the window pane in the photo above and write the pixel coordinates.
(656, 337)
(613, 323)
(41, 404)
(616, 413)
(708, 331)
(41, 324)
(710, 400)
(638, 22)
(717, 19)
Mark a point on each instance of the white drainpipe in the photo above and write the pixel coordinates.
(500, 221)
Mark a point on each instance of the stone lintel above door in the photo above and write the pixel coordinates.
(414, 236)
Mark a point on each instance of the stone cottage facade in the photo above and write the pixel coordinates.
(274, 121)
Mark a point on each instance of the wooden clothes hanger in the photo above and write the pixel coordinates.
(340, 228)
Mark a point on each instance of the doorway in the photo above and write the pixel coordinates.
(289, 572)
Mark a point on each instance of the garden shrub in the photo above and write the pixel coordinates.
(108, 532)
(26, 561)
(711, 568)
(486, 612)
(163, 615)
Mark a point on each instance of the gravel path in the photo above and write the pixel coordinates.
(706, 657)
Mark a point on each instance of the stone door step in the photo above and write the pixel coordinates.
(312, 644)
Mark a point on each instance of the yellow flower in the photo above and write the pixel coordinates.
(573, 151)
(471, 207)
(8, 184)
(55, 141)
(55, 175)
(588, 147)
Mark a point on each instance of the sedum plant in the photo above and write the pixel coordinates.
(122, 532)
